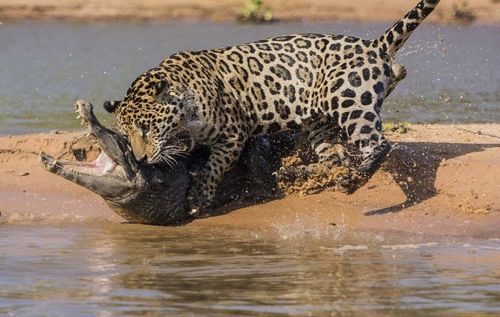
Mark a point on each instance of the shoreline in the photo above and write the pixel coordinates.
(437, 181)
(482, 11)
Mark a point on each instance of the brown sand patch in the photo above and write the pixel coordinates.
(439, 179)
(485, 11)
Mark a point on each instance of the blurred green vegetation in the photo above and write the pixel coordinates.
(463, 13)
(254, 11)
(398, 127)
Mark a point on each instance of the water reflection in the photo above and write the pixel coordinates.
(108, 270)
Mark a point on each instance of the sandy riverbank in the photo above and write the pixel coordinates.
(448, 172)
(485, 11)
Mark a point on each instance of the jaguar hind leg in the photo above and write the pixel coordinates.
(367, 135)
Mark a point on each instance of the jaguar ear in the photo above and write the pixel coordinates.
(110, 106)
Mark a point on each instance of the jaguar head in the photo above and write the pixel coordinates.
(152, 118)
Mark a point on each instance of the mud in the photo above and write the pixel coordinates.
(297, 177)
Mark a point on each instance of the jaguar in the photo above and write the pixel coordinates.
(324, 85)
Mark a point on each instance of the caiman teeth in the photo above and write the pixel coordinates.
(80, 173)
(49, 162)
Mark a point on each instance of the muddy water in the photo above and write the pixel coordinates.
(46, 66)
(104, 269)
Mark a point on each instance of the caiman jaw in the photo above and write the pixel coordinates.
(102, 176)
(99, 167)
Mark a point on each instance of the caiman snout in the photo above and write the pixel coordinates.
(137, 192)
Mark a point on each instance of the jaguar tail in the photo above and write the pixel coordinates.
(396, 36)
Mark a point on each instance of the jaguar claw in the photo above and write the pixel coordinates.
(194, 211)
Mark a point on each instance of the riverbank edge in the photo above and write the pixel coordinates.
(448, 12)
(447, 169)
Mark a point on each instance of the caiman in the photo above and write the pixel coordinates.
(156, 194)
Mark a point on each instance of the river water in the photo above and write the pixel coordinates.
(453, 73)
(115, 270)
(95, 268)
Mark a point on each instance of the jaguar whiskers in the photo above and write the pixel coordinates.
(169, 154)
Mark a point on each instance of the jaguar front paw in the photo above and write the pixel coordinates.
(198, 201)
(194, 203)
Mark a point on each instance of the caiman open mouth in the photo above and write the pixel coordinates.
(101, 166)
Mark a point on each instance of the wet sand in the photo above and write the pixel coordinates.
(439, 179)
(485, 11)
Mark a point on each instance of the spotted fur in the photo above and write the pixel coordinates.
(327, 85)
